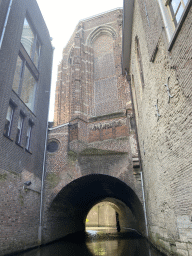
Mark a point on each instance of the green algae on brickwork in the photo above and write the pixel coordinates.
(3, 177)
(95, 151)
(21, 198)
(72, 156)
(52, 179)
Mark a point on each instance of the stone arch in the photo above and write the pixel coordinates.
(101, 30)
(68, 210)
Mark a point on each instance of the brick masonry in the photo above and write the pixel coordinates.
(19, 204)
(95, 154)
(94, 128)
(165, 142)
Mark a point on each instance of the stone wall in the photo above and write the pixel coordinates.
(165, 140)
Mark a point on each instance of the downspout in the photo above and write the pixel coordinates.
(141, 173)
(43, 172)
(5, 23)
(144, 205)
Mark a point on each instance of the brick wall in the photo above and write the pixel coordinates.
(165, 142)
(94, 129)
(19, 204)
(89, 81)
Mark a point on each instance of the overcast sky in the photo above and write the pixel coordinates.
(61, 17)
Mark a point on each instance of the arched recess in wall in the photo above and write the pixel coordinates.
(102, 41)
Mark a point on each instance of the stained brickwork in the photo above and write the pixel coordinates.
(93, 126)
(164, 128)
(89, 81)
(19, 203)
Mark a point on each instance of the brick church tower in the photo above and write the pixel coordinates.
(89, 82)
(93, 101)
(94, 132)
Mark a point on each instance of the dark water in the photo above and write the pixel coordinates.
(97, 242)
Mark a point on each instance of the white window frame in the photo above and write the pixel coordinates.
(20, 128)
(171, 28)
(9, 119)
(171, 11)
(28, 137)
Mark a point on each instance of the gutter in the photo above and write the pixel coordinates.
(5, 23)
(43, 172)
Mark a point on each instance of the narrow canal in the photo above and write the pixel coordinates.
(97, 242)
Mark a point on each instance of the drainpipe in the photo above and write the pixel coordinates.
(144, 206)
(43, 172)
(5, 24)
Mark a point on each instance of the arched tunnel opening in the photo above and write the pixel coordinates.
(68, 211)
(111, 215)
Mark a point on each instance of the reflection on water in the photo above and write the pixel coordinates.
(97, 242)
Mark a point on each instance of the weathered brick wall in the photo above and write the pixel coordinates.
(89, 76)
(19, 211)
(94, 129)
(107, 129)
(20, 207)
(165, 143)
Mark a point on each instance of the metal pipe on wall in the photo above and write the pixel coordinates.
(144, 206)
(5, 23)
(43, 171)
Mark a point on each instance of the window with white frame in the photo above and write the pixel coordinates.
(20, 128)
(176, 9)
(9, 120)
(28, 137)
(26, 72)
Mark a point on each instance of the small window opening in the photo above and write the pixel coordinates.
(9, 120)
(19, 129)
(28, 137)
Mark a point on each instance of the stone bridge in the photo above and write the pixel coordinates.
(89, 162)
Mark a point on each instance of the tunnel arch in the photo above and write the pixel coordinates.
(68, 210)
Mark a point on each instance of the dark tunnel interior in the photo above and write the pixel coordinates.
(67, 212)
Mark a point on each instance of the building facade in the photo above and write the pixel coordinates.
(157, 61)
(92, 153)
(25, 75)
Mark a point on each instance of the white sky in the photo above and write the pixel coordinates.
(61, 17)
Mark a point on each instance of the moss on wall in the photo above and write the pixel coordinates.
(3, 177)
(52, 179)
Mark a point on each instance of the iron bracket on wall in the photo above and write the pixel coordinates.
(158, 115)
(168, 90)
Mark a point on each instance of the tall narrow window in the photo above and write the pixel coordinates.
(26, 72)
(9, 120)
(31, 42)
(139, 61)
(28, 137)
(19, 128)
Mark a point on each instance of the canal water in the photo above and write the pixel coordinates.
(106, 242)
